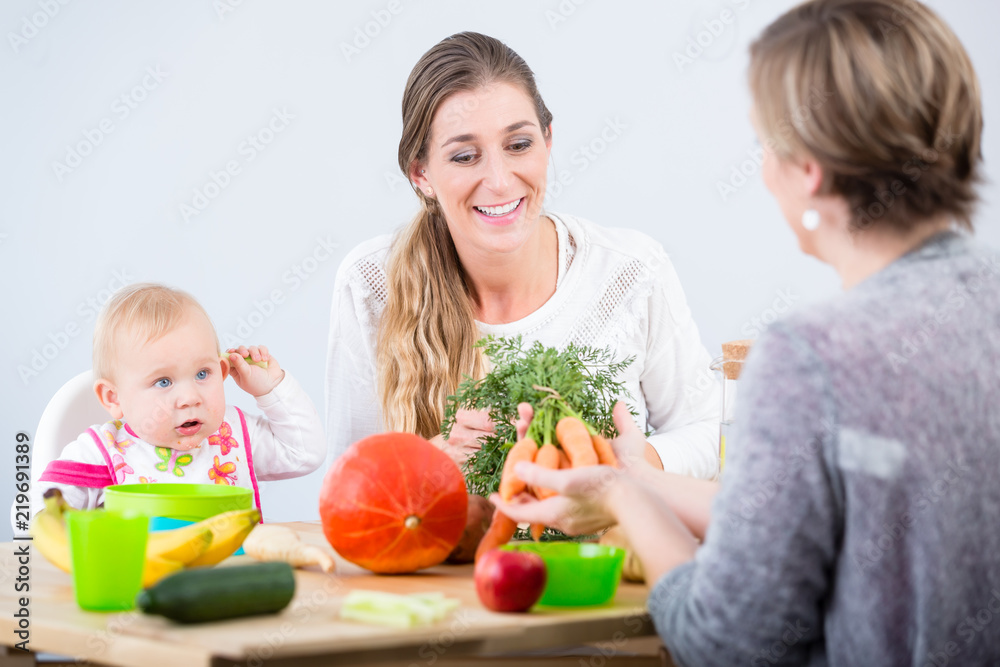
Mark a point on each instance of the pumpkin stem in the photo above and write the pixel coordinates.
(412, 521)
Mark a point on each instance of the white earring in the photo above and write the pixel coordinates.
(810, 220)
(430, 191)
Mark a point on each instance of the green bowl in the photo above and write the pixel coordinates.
(184, 502)
(579, 574)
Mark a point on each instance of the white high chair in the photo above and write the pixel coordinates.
(71, 410)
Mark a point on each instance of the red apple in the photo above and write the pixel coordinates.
(509, 580)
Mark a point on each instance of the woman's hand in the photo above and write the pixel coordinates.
(464, 441)
(582, 504)
(253, 379)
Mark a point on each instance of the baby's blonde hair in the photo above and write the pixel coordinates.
(139, 312)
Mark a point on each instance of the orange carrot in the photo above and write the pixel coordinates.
(536, 531)
(547, 457)
(575, 440)
(605, 453)
(564, 463)
(501, 529)
(510, 483)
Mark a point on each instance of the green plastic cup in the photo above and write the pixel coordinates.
(579, 574)
(108, 550)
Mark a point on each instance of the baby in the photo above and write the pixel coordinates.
(160, 376)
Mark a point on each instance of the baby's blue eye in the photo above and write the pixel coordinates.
(163, 383)
(202, 374)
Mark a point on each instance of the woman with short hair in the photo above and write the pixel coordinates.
(856, 521)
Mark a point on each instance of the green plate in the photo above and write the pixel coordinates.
(187, 502)
(579, 574)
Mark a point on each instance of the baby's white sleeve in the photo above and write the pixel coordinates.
(287, 440)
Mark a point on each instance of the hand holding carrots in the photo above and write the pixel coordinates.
(575, 445)
(581, 505)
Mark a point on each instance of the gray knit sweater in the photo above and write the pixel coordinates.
(858, 522)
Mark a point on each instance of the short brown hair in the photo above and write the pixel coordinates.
(883, 95)
(138, 312)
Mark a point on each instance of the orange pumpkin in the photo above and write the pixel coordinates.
(393, 503)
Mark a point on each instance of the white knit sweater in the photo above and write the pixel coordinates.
(616, 288)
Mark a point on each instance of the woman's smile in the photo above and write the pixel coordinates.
(501, 214)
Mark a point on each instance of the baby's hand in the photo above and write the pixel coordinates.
(258, 378)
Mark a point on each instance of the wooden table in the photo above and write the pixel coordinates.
(309, 631)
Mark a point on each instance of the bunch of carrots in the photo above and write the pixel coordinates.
(567, 441)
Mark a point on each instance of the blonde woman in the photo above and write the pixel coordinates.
(856, 524)
(483, 257)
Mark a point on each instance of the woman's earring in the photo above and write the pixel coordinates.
(430, 192)
(810, 220)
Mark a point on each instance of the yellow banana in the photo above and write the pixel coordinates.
(164, 548)
(207, 542)
(179, 544)
(157, 568)
(48, 531)
(229, 529)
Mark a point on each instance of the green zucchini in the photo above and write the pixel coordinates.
(215, 593)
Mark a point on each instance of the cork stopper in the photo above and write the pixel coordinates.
(734, 354)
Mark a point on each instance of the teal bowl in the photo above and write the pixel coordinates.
(579, 574)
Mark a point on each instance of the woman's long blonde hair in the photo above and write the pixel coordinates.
(427, 331)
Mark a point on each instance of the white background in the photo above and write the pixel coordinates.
(661, 136)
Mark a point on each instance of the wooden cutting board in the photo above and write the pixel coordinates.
(310, 625)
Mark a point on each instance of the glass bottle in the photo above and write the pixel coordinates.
(730, 364)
